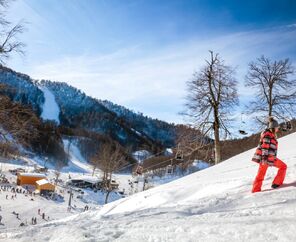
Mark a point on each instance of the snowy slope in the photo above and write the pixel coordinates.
(211, 205)
(50, 109)
(77, 163)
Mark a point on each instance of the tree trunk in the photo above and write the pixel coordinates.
(108, 188)
(270, 102)
(217, 138)
(107, 196)
(144, 183)
(217, 147)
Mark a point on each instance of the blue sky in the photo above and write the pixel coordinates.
(140, 53)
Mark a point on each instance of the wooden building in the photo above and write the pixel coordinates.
(44, 186)
(29, 178)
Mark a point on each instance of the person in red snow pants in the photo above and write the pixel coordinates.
(265, 156)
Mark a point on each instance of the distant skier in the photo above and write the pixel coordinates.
(265, 155)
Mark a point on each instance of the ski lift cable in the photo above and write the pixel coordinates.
(145, 170)
(135, 164)
(138, 165)
(153, 155)
(124, 167)
(170, 159)
(149, 167)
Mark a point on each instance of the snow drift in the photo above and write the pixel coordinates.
(214, 204)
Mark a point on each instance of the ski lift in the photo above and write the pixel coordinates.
(243, 123)
(286, 126)
(169, 170)
(139, 170)
(242, 132)
(179, 154)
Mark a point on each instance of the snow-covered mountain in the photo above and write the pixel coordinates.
(72, 108)
(22, 88)
(215, 204)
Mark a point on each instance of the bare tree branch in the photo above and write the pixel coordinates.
(212, 94)
(109, 158)
(275, 92)
(9, 42)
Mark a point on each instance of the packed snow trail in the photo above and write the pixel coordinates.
(50, 109)
(76, 163)
(215, 204)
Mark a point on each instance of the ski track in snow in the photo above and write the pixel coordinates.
(214, 204)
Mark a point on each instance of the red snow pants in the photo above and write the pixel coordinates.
(279, 178)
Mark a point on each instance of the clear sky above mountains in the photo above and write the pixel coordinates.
(140, 53)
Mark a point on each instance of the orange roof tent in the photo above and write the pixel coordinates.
(44, 185)
(29, 178)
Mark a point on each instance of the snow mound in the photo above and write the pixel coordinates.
(214, 204)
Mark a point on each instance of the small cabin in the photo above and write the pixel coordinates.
(44, 186)
(29, 178)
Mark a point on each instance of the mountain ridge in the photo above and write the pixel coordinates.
(80, 110)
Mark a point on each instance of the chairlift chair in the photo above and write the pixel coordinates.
(287, 126)
(139, 170)
(169, 169)
(243, 123)
(179, 153)
(242, 132)
(179, 156)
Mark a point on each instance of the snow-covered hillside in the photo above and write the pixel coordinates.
(50, 109)
(211, 205)
(76, 163)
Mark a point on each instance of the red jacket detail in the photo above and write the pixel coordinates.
(267, 148)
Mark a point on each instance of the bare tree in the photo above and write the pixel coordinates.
(58, 165)
(275, 92)
(110, 158)
(8, 34)
(95, 162)
(211, 96)
(16, 122)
